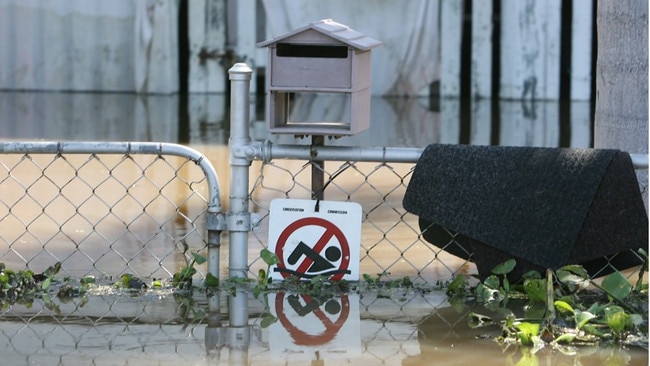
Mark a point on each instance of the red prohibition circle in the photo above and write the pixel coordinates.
(331, 230)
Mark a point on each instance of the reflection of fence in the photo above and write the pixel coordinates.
(105, 208)
(397, 327)
(152, 330)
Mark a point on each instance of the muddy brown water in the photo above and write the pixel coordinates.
(390, 327)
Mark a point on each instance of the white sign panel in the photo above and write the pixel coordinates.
(315, 238)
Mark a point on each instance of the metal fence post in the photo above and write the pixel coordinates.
(238, 219)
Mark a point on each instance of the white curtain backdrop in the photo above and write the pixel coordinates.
(406, 63)
(82, 45)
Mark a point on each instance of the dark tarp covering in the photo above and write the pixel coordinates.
(544, 207)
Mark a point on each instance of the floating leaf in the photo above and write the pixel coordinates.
(478, 320)
(582, 318)
(563, 307)
(597, 308)
(126, 278)
(565, 338)
(486, 294)
(52, 270)
(505, 267)
(87, 280)
(535, 289)
(406, 282)
(535, 310)
(576, 269)
(531, 275)
(526, 332)
(590, 329)
(457, 285)
(572, 279)
(617, 286)
(492, 282)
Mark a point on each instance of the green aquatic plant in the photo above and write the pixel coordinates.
(565, 307)
(24, 287)
(457, 287)
(382, 280)
(314, 285)
(183, 278)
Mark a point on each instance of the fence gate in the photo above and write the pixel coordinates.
(107, 208)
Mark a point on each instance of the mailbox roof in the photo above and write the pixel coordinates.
(335, 30)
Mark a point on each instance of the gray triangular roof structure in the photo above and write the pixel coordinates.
(335, 30)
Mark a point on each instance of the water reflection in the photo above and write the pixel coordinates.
(202, 119)
(394, 327)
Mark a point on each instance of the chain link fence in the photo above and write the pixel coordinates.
(392, 245)
(108, 214)
(102, 213)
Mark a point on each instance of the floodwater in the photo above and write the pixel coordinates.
(390, 327)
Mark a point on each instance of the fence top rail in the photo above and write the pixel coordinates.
(267, 151)
(125, 148)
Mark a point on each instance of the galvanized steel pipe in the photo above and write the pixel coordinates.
(238, 218)
(267, 151)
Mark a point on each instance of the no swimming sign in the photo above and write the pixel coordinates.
(315, 238)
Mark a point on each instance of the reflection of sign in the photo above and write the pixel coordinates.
(304, 305)
(311, 327)
(313, 239)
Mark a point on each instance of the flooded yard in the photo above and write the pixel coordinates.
(397, 326)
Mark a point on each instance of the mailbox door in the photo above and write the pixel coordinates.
(311, 67)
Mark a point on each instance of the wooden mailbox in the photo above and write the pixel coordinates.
(325, 60)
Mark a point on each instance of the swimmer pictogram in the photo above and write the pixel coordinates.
(327, 255)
